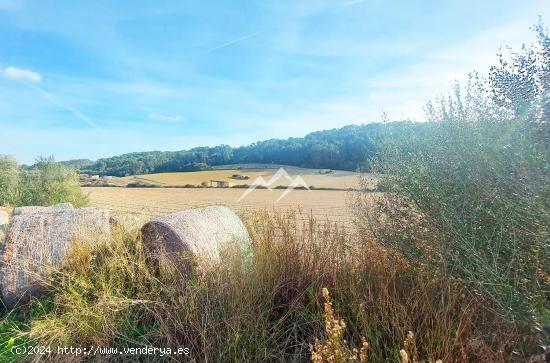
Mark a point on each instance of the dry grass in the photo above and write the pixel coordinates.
(267, 306)
(334, 349)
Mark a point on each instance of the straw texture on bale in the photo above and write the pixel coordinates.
(37, 241)
(201, 232)
(38, 209)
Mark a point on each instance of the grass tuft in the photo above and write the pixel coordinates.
(265, 305)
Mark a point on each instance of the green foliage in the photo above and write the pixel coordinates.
(9, 339)
(482, 187)
(77, 163)
(473, 192)
(346, 148)
(522, 80)
(45, 183)
(9, 179)
(16, 321)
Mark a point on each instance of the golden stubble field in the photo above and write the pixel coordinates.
(336, 179)
(324, 205)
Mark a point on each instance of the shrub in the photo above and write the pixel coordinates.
(479, 190)
(45, 183)
(50, 183)
(470, 197)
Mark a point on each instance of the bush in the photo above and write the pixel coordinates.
(480, 190)
(45, 183)
(471, 195)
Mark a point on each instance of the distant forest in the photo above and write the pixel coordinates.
(346, 148)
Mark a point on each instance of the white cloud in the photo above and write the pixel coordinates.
(20, 74)
(160, 117)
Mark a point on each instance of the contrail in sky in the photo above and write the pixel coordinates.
(252, 35)
(48, 96)
(234, 41)
(24, 75)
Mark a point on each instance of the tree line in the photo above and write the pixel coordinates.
(346, 148)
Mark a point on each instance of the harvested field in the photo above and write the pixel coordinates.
(324, 205)
(335, 179)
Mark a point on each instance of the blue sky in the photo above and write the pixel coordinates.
(90, 79)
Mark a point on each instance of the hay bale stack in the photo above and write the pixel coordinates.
(35, 242)
(38, 209)
(203, 232)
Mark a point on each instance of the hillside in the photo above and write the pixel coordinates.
(347, 148)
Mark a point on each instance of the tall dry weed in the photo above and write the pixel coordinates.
(264, 305)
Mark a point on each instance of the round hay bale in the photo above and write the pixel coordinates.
(203, 232)
(35, 242)
(38, 209)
